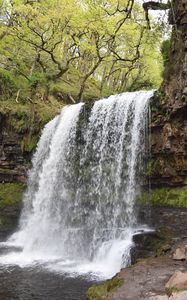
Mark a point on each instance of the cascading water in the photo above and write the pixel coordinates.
(79, 210)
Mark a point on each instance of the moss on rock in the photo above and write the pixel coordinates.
(29, 117)
(10, 205)
(22, 122)
(176, 197)
(153, 168)
(28, 143)
(11, 194)
(103, 291)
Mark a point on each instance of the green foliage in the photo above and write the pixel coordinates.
(29, 118)
(28, 143)
(36, 79)
(71, 47)
(7, 84)
(166, 196)
(10, 194)
(99, 292)
(165, 50)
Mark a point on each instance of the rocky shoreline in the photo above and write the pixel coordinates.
(164, 256)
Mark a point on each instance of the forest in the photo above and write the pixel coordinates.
(93, 150)
(78, 50)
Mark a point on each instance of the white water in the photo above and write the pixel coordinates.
(79, 212)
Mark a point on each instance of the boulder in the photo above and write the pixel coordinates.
(180, 253)
(177, 281)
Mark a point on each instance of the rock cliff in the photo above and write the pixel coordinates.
(13, 161)
(169, 109)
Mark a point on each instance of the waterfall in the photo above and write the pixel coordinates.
(79, 211)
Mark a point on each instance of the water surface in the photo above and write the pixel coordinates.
(36, 283)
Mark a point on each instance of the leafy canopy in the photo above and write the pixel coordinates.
(75, 49)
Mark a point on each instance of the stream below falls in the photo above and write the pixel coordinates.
(35, 283)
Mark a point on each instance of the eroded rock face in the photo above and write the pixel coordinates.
(13, 163)
(169, 116)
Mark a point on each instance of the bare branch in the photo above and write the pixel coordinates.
(128, 11)
(118, 57)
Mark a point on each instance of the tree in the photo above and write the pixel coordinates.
(76, 50)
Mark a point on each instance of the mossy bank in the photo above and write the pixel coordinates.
(10, 204)
(174, 197)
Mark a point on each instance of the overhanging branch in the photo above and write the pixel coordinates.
(152, 5)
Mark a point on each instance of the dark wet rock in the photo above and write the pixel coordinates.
(13, 161)
(172, 219)
(149, 244)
